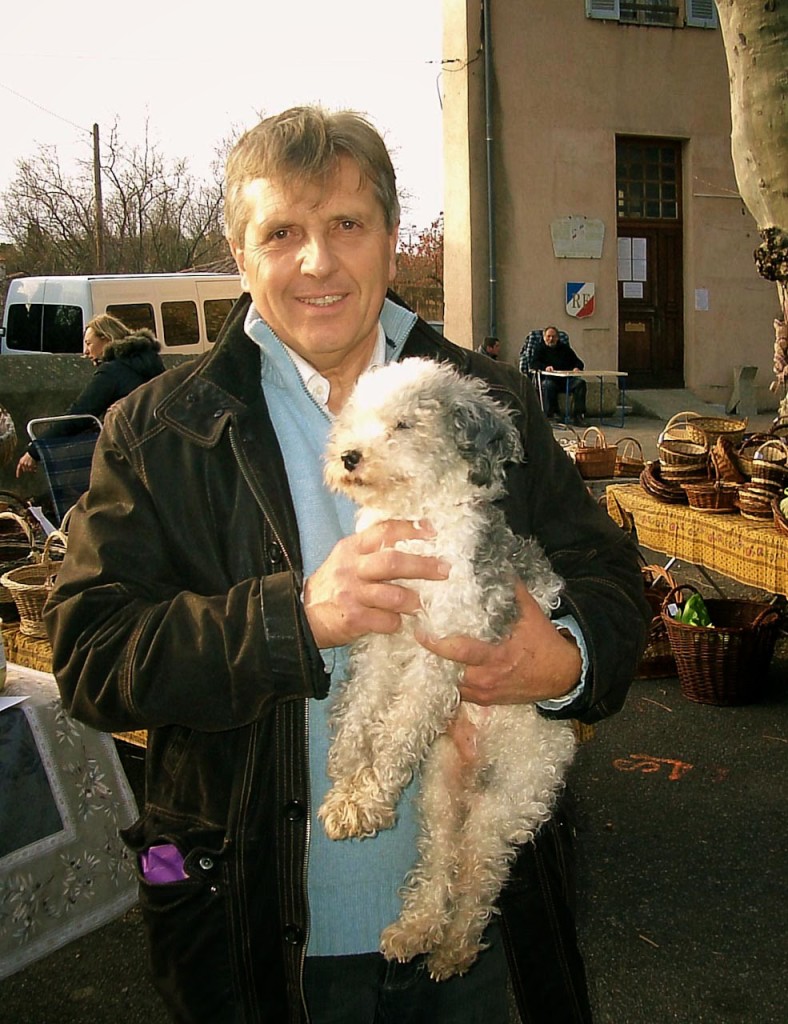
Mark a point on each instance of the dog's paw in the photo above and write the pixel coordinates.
(346, 817)
(445, 962)
(402, 941)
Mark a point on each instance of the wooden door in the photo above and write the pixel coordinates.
(650, 267)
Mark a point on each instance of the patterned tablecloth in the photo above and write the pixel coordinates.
(63, 796)
(751, 552)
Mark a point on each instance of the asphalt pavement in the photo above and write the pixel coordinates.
(682, 846)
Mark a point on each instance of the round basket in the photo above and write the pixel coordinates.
(770, 465)
(744, 452)
(629, 457)
(677, 429)
(595, 458)
(30, 585)
(706, 429)
(687, 455)
(726, 663)
(754, 503)
(715, 496)
(15, 552)
(652, 483)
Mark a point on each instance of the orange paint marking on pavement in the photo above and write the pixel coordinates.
(647, 764)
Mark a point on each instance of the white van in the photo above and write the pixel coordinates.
(184, 311)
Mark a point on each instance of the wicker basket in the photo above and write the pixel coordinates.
(744, 452)
(715, 496)
(770, 465)
(726, 663)
(754, 503)
(30, 586)
(723, 459)
(629, 457)
(652, 483)
(706, 429)
(677, 427)
(657, 661)
(595, 458)
(15, 553)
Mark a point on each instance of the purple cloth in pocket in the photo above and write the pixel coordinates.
(162, 864)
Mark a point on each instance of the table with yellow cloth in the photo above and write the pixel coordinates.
(748, 551)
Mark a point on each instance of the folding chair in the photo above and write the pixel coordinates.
(65, 447)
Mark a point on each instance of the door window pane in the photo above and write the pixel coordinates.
(645, 171)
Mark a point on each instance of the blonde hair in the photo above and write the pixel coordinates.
(305, 144)
(108, 327)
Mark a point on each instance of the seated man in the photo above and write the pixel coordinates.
(548, 353)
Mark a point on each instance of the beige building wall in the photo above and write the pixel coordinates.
(563, 87)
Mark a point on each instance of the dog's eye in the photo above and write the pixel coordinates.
(403, 425)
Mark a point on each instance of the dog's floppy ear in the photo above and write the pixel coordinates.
(487, 438)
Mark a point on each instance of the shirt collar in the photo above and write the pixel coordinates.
(316, 384)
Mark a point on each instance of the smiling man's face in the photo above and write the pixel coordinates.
(317, 261)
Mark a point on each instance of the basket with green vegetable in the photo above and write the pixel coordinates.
(723, 647)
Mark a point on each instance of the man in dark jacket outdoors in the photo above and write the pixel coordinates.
(549, 355)
(213, 583)
(123, 359)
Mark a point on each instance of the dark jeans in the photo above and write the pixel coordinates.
(553, 386)
(367, 989)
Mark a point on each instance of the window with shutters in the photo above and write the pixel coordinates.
(665, 13)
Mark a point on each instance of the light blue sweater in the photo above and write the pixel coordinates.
(352, 884)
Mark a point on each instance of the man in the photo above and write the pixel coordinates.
(491, 347)
(547, 355)
(212, 585)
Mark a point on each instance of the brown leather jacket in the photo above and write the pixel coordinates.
(178, 611)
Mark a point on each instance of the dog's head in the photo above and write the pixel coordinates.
(417, 430)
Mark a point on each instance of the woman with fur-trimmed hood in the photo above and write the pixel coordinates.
(123, 361)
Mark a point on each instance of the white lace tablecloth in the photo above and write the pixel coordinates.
(63, 796)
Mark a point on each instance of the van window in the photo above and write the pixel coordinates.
(134, 315)
(43, 328)
(180, 323)
(216, 312)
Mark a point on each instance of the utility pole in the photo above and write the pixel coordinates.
(100, 260)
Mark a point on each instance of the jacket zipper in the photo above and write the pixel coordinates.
(308, 824)
(305, 866)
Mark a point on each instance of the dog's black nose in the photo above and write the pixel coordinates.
(351, 459)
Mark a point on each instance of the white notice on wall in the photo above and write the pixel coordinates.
(702, 299)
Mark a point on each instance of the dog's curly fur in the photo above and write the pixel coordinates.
(419, 441)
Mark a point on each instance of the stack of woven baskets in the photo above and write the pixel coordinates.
(768, 478)
(685, 471)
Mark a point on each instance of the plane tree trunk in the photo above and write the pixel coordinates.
(755, 36)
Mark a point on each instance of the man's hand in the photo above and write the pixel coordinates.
(352, 592)
(534, 663)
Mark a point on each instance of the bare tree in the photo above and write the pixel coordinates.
(157, 217)
(755, 36)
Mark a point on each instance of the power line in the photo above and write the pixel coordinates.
(46, 110)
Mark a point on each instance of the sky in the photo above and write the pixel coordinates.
(196, 76)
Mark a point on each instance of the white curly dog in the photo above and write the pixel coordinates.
(418, 441)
